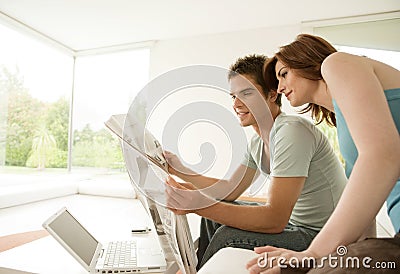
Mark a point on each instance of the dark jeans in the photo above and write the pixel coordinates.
(380, 255)
(214, 236)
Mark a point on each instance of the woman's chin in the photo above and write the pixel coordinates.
(295, 104)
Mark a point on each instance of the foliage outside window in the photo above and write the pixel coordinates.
(36, 132)
(331, 133)
(35, 92)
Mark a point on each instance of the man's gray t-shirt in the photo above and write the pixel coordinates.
(299, 149)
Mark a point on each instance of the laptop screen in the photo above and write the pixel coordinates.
(75, 236)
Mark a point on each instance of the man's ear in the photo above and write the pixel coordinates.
(273, 95)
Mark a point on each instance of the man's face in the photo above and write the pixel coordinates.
(249, 102)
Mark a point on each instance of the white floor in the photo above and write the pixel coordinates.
(91, 210)
(106, 218)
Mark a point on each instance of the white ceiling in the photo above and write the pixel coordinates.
(88, 24)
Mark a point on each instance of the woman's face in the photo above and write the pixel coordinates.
(298, 90)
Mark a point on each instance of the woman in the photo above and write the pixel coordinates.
(362, 96)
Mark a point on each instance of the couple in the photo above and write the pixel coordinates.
(344, 90)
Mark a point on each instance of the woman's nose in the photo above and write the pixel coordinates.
(281, 88)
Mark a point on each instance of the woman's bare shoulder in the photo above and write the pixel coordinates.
(342, 59)
(346, 63)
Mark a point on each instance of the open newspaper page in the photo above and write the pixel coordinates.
(185, 242)
(148, 170)
(134, 137)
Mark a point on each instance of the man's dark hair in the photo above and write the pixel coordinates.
(252, 65)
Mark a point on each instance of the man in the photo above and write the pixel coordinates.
(306, 182)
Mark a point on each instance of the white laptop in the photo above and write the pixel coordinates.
(113, 257)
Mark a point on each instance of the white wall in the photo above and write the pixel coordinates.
(220, 50)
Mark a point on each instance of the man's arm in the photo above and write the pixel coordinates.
(269, 218)
(228, 190)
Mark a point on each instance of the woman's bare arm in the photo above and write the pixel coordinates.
(358, 92)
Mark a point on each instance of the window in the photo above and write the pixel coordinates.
(387, 56)
(36, 87)
(369, 32)
(104, 85)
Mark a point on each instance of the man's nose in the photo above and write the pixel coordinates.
(237, 102)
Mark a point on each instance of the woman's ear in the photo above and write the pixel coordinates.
(273, 95)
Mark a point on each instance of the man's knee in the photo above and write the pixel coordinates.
(223, 235)
(227, 236)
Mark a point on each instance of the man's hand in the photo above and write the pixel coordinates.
(271, 259)
(183, 198)
(175, 166)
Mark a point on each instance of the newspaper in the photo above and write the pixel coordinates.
(148, 169)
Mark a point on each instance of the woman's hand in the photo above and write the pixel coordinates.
(272, 259)
(183, 198)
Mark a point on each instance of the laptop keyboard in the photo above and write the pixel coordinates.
(121, 255)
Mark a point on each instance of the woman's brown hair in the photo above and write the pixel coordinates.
(305, 55)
